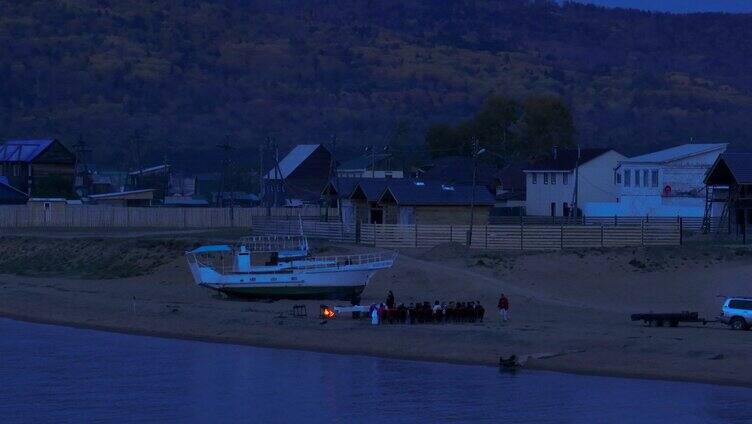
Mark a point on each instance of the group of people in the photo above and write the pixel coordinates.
(440, 312)
(423, 312)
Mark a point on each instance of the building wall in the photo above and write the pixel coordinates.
(596, 179)
(52, 180)
(595, 184)
(546, 187)
(459, 215)
(685, 176)
(361, 173)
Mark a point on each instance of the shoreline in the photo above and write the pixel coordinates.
(569, 310)
(356, 352)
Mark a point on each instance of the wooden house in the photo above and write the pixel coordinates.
(156, 178)
(300, 176)
(429, 202)
(729, 182)
(39, 168)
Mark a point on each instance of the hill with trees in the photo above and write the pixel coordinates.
(186, 75)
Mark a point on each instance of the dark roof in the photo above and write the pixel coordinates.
(342, 186)
(292, 161)
(512, 179)
(23, 150)
(151, 170)
(731, 168)
(459, 170)
(364, 162)
(372, 188)
(431, 193)
(566, 159)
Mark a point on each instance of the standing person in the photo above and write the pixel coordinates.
(504, 308)
(390, 300)
(374, 315)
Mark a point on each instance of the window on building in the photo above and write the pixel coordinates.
(654, 177)
(545, 178)
(645, 178)
(16, 170)
(637, 178)
(565, 178)
(617, 178)
(627, 177)
(535, 178)
(553, 178)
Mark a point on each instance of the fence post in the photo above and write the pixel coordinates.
(416, 235)
(561, 236)
(486, 236)
(616, 220)
(602, 245)
(522, 234)
(451, 237)
(357, 231)
(642, 233)
(681, 232)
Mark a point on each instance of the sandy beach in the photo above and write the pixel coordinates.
(570, 307)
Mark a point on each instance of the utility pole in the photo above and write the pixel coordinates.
(83, 178)
(336, 177)
(226, 148)
(261, 171)
(280, 187)
(373, 162)
(576, 182)
(477, 151)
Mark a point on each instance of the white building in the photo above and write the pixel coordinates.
(570, 177)
(378, 165)
(665, 183)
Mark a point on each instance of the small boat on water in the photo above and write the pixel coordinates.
(279, 267)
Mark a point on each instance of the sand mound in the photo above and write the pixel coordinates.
(86, 257)
(445, 251)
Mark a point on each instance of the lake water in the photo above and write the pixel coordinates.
(59, 374)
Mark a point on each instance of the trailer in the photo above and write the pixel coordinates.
(670, 319)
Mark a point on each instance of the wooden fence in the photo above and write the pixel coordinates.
(498, 237)
(58, 215)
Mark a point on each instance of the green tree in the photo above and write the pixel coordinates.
(546, 122)
(495, 125)
(441, 140)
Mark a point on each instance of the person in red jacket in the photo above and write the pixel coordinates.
(504, 308)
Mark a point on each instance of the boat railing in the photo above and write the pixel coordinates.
(365, 260)
(273, 243)
(345, 260)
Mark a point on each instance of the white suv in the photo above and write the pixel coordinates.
(737, 313)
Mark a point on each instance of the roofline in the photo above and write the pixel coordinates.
(15, 189)
(684, 156)
(52, 141)
(579, 164)
(120, 193)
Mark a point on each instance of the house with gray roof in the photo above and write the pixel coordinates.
(667, 183)
(431, 202)
(300, 176)
(377, 165)
(38, 168)
(568, 179)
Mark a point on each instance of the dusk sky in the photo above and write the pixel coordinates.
(680, 6)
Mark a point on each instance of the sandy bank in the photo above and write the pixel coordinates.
(576, 302)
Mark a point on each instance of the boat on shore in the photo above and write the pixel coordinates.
(280, 267)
